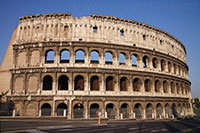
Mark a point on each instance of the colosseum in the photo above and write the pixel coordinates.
(62, 66)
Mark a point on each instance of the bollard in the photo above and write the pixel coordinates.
(13, 115)
(121, 116)
(40, 113)
(64, 113)
(106, 115)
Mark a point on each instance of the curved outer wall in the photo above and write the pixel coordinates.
(156, 86)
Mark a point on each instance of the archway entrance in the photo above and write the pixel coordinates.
(62, 109)
(138, 111)
(94, 110)
(110, 111)
(124, 110)
(46, 110)
(167, 113)
(149, 111)
(158, 110)
(78, 110)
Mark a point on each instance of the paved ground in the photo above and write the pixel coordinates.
(55, 126)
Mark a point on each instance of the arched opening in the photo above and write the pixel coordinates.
(162, 65)
(46, 109)
(94, 57)
(62, 109)
(184, 110)
(63, 83)
(172, 87)
(159, 111)
(123, 84)
(149, 111)
(79, 83)
(175, 68)
(94, 108)
(134, 60)
(49, 56)
(124, 110)
(174, 113)
(145, 61)
(138, 111)
(64, 56)
(182, 89)
(108, 58)
(47, 83)
(157, 86)
(167, 110)
(155, 62)
(169, 67)
(147, 85)
(165, 87)
(122, 60)
(110, 111)
(94, 83)
(178, 88)
(179, 110)
(109, 84)
(80, 56)
(137, 84)
(78, 110)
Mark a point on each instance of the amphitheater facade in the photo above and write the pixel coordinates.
(64, 66)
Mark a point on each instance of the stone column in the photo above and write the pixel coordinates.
(25, 83)
(70, 109)
(118, 111)
(40, 84)
(103, 84)
(86, 109)
(129, 60)
(87, 56)
(143, 85)
(72, 56)
(55, 87)
(139, 61)
(54, 106)
(87, 84)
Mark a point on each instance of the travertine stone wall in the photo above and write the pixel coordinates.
(159, 79)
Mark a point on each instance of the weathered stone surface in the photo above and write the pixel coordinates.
(151, 81)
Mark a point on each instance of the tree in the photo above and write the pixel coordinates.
(197, 102)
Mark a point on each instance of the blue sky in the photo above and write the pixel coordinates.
(181, 18)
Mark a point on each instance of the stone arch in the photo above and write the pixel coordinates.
(19, 84)
(149, 111)
(167, 110)
(163, 65)
(169, 66)
(110, 109)
(184, 110)
(145, 60)
(47, 83)
(182, 89)
(159, 111)
(174, 111)
(137, 84)
(35, 57)
(138, 111)
(46, 109)
(110, 83)
(147, 85)
(155, 62)
(79, 83)
(64, 56)
(78, 110)
(63, 82)
(49, 56)
(177, 88)
(94, 108)
(94, 57)
(157, 86)
(62, 109)
(165, 87)
(122, 59)
(175, 68)
(123, 84)
(134, 59)
(108, 57)
(125, 110)
(80, 56)
(32, 84)
(172, 87)
(94, 83)
(21, 59)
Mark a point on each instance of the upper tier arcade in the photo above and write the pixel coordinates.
(61, 27)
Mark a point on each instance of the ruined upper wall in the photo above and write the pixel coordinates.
(64, 27)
